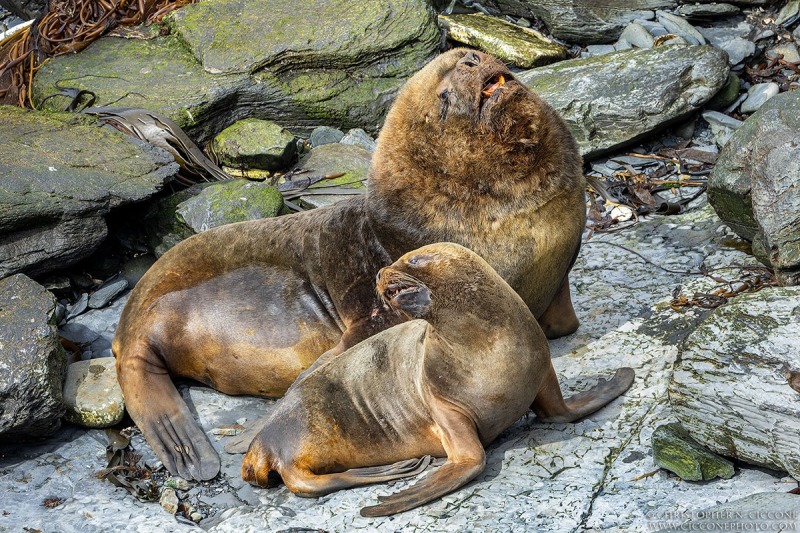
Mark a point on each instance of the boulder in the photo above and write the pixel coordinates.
(253, 62)
(31, 360)
(729, 388)
(585, 21)
(753, 187)
(618, 98)
(232, 201)
(522, 47)
(92, 395)
(254, 143)
(329, 159)
(60, 174)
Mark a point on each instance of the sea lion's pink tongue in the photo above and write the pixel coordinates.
(500, 80)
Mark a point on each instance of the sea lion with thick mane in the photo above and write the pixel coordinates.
(471, 361)
(467, 154)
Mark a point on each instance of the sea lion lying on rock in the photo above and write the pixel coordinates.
(468, 154)
(444, 386)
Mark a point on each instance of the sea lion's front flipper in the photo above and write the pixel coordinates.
(550, 406)
(465, 460)
(164, 418)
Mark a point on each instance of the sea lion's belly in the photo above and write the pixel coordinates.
(250, 330)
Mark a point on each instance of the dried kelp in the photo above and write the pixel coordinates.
(123, 468)
(751, 279)
(644, 184)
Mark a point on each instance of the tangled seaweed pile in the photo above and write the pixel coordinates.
(67, 26)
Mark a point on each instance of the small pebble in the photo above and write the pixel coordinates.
(758, 95)
(169, 500)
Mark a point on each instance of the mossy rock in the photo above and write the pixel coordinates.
(227, 60)
(508, 42)
(353, 161)
(254, 143)
(675, 450)
(233, 201)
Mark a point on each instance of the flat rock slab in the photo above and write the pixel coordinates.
(59, 175)
(764, 511)
(253, 62)
(508, 42)
(31, 360)
(754, 186)
(730, 389)
(585, 21)
(595, 475)
(618, 98)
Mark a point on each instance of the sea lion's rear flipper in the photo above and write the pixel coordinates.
(550, 405)
(306, 484)
(465, 460)
(559, 319)
(164, 418)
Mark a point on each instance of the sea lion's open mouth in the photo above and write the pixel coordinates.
(492, 85)
(396, 289)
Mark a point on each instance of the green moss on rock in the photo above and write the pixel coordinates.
(232, 201)
(254, 143)
(675, 450)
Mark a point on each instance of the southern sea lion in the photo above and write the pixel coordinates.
(445, 385)
(467, 155)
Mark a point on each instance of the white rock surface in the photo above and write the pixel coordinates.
(595, 475)
(730, 388)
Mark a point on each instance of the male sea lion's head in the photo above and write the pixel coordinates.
(434, 279)
(463, 89)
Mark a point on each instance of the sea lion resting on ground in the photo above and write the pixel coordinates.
(467, 154)
(445, 385)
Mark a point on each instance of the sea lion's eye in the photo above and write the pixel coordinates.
(419, 260)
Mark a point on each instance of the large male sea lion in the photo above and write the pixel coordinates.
(444, 385)
(467, 154)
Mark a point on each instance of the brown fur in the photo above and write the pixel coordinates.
(445, 386)
(245, 308)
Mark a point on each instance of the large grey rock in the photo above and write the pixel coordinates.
(585, 21)
(734, 40)
(729, 389)
(59, 175)
(31, 360)
(26, 9)
(619, 98)
(253, 62)
(754, 185)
